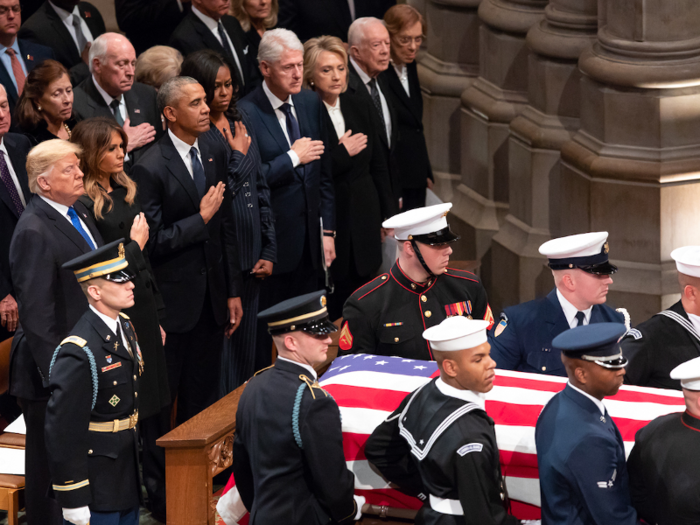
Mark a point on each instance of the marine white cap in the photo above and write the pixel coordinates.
(581, 245)
(688, 373)
(457, 333)
(687, 260)
(419, 221)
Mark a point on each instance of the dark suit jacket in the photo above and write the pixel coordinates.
(140, 105)
(299, 195)
(363, 182)
(411, 150)
(312, 18)
(189, 258)
(375, 8)
(33, 55)
(50, 299)
(46, 28)
(192, 35)
(148, 23)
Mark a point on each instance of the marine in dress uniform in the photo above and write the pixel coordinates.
(580, 453)
(522, 339)
(288, 457)
(665, 461)
(387, 315)
(440, 444)
(92, 413)
(672, 336)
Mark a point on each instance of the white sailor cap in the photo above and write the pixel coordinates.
(457, 333)
(687, 260)
(688, 373)
(427, 225)
(585, 251)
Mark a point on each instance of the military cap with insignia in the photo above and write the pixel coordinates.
(585, 251)
(598, 343)
(457, 333)
(307, 313)
(108, 262)
(427, 225)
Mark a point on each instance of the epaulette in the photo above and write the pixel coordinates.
(297, 404)
(371, 286)
(78, 341)
(262, 370)
(461, 274)
(124, 315)
(82, 343)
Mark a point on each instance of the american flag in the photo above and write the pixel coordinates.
(368, 388)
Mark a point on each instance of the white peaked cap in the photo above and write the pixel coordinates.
(457, 333)
(688, 373)
(581, 245)
(687, 260)
(419, 221)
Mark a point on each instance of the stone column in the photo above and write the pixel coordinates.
(536, 137)
(633, 169)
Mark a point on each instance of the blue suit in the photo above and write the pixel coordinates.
(583, 473)
(525, 344)
(32, 55)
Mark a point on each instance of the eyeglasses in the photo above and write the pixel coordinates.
(406, 40)
(16, 9)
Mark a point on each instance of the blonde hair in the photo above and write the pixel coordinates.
(238, 10)
(158, 64)
(313, 49)
(42, 158)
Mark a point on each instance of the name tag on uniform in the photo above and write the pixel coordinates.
(111, 367)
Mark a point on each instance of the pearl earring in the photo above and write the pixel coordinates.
(38, 108)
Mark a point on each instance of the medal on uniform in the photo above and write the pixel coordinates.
(139, 357)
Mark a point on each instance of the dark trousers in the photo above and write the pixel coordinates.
(412, 198)
(153, 459)
(41, 510)
(126, 517)
(194, 363)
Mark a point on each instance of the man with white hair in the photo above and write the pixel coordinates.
(53, 229)
(112, 92)
(290, 127)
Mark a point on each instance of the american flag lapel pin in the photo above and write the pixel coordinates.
(137, 111)
(88, 14)
(30, 57)
(211, 160)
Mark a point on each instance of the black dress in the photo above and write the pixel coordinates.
(40, 133)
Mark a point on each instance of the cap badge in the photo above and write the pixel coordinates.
(121, 250)
(606, 248)
(323, 301)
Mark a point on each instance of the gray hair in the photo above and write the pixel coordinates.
(274, 42)
(171, 91)
(357, 30)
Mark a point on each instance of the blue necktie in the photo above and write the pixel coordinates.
(200, 180)
(78, 226)
(580, 317)
(292, 124)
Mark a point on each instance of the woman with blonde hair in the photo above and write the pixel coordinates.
(360, 174)
(256, 17)
(158, 64)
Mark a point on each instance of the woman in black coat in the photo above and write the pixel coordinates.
(360, 175)
(406, 28)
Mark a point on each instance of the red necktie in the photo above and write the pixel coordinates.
(17, 70)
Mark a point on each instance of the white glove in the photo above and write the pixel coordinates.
(360, 500)
(79, 516)
(532, 522)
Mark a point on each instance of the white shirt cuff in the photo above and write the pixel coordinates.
(295, 158)
(360, 500)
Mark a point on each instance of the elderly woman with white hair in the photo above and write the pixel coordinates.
(53, 229)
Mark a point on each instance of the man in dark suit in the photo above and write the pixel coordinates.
(312, 18)
(289, 124)
(149, 23)
(18, 57)
(369, 56)
(53, 229)
(208, 26)
(192, 244)
(375, 8)
(112, 92)
(68, 27)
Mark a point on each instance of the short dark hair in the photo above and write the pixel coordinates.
(203, 66)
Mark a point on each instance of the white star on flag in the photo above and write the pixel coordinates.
(419, 367)
(369, 357)
(343, 368)
(381, 362)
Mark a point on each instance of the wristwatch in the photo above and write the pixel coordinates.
(328, 233)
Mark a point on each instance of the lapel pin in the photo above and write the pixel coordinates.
(211, 160)
(88, 14)
(137, 111)
(245, 51)
(30, 57)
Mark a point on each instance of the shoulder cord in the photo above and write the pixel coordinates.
(295, 415)
(93, 370)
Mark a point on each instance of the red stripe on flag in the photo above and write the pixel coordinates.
(390, 498)
(354, 446)
(525, 511)
(363, 397)
(517, 459)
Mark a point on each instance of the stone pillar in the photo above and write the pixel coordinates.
(633, 169)
(536, 137)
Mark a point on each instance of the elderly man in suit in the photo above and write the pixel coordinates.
(289, 124)
(112, 92)
(209, 26)
(68, 27)
(53, 229)
(193, 249)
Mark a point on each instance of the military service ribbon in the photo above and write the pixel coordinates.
(463, 308)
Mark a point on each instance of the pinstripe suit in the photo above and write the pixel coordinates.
(255, 232)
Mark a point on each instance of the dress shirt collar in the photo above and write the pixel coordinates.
(308, 367)
(570, 310)
(111, 323)
(106, 96)
(276, 102)
(60, 208)
(597, 401)
(63, 14)
(363, 76)
(465, 395)
(401, 71)
(211, 24)
(15, 46)
(4, 150)
(182, 147)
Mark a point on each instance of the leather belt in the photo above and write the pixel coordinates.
(446, 506)
(115, 426)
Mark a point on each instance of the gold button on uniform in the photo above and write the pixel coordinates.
(428, 313)
(396, 339)
(134, 378)
(90, 451)
(115, 383)
(544, 368)
(423, 298)
(136, 394)
(413, 286)
(383, 277)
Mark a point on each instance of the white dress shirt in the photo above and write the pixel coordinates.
(213, 26)
(385, 106)
(112, 325)
(597, 401)
(67, 19)
(282, 118)
(570, 311)
(402, 72)
(13, 175)
(465, 395)
(308, 367)
(184, 150)
(336, 117)
(7, 61)
(63, 210)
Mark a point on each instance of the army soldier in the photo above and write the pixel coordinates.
(387, 315)
(288, 451)
(580, 453)
(665, 460)
(93, 409)
(522, 339)
(441, 441)
(671, 337)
